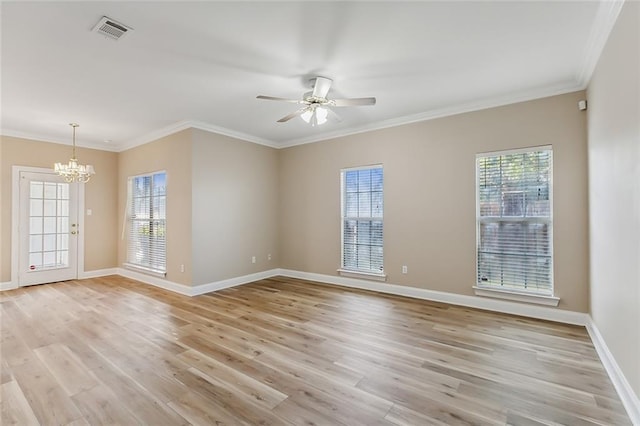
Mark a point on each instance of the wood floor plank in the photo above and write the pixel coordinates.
(136, 398)
(298, 414)
(243, 409)
(239, 382)
(70, 373)
(47, 399)
(369, 365)
(285, 359)
(197, 410)
(101, 406)
(285, 351)
(563, 411)
(13, 349)
(15, 409)
(442, 405)
(21, 324)
(403, 416)
(5, 370)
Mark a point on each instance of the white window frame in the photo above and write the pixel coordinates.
(358, 273)
(128, 220)
(521, 295)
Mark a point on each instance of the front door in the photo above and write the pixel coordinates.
(48, 229)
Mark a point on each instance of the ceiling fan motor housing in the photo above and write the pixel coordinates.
(317, 98)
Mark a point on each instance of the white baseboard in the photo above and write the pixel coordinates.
(627, 395)
(155, 281)
(197, 290)
(9, 285)
(504, 306)
(97, 273)
(232, 282)
(81, 276)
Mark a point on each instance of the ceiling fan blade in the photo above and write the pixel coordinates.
(335, 116)
(321, 87)
(293, 115)
(273, 98)
(352, 102)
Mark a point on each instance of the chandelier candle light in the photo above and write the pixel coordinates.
(74, 171)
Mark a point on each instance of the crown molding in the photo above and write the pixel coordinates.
(602, 26)
(394, 122)
(444, 112)
(193, 124)
(49, 139)
(233, 134)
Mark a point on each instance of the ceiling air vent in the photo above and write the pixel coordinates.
(111, 29)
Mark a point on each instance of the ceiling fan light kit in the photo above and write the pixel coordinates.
(317, 107)
(315, 116)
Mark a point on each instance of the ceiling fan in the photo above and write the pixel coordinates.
(316, 105)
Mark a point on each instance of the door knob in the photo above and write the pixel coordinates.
(73, 232)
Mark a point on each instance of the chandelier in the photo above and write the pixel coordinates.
(74, 171)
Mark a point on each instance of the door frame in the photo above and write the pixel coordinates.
(15, 222)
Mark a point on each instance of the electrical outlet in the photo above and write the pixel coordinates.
(404, 269)
(253, 259)
(269, 256)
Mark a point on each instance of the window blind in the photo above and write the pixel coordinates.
(514, 221)
(362, 219)
(146, 248)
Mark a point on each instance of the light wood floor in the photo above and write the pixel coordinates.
(287, 352)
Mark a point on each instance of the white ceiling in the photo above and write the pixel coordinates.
(201, 64)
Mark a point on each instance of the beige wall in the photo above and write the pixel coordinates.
(429, 172)
(100, 195)
(173, 155)
(230, 200)
(614, 175)
(234, 214)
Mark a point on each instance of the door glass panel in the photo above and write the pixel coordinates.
(35, 243)
(35, 225)
(35, 260)
(63, 241)
(48, 225)
(63, 208)
(49, 260)
(49, 207)
(63, 257)
(36, 190)
(63, 191)
(49, 242)
(36, 207)
(50, 190)
(63, 225)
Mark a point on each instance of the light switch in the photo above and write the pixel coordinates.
(89, 212)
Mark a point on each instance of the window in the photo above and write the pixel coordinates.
(146, 205)
(514, 221)
(362, 220)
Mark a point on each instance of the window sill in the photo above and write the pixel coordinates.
(516, 296)
(360, 274)
(144, 270)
